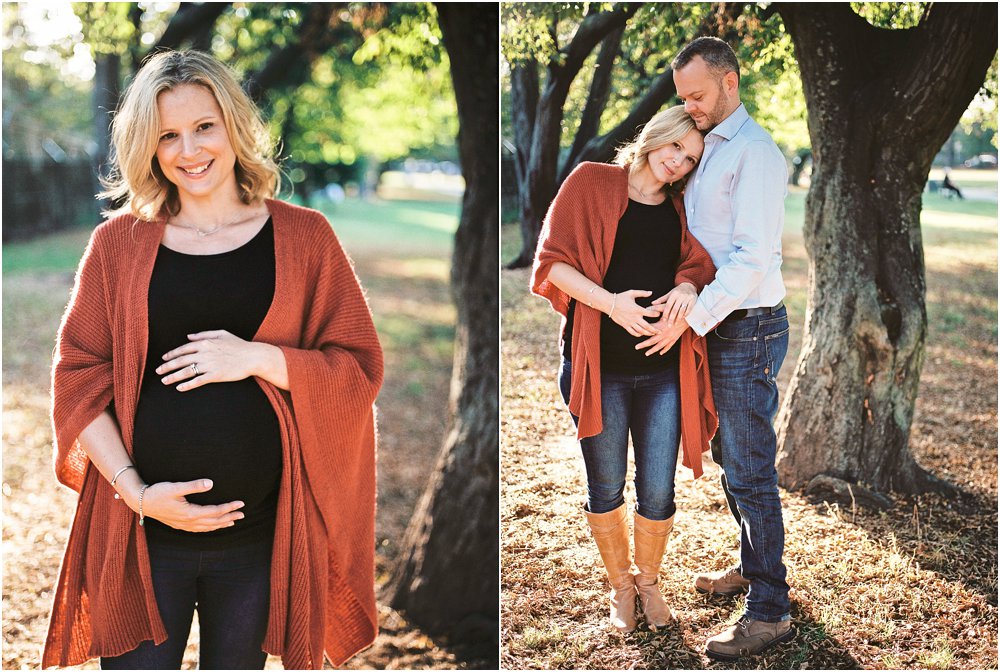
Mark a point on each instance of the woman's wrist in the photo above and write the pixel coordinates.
(128, 487)
(269, 364)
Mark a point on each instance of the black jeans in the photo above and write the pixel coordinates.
(231, 590)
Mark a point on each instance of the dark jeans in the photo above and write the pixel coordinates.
(231, 590)
(648, 405)
(745, 356)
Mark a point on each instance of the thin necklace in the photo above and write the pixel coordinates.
(215, 229)
(640, 192)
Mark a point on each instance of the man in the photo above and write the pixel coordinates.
(735, 208)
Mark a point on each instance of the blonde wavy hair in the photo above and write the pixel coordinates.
(135, 175)
(666, 126)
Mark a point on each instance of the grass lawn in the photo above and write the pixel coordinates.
(402, 253)
(914, 587)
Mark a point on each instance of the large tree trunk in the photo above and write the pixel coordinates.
(543, 150)
(524, 91)
(448, 578)
(881, 103)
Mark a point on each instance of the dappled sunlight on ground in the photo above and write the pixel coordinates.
(914, 587)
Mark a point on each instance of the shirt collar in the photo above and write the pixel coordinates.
(732, 124)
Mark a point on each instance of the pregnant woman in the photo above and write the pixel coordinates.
(212, 402)
(616, 260)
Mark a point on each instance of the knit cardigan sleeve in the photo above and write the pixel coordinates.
(572, 234)
(334, 377)
(82, 372)
(579, 230)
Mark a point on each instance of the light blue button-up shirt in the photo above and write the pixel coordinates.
(735, 208)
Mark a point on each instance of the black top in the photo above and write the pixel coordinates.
(227, 432)
(645, 256)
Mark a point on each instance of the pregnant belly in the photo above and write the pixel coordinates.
(226, 432)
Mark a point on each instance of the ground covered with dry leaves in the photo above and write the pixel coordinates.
(407, 285)
(913, 587)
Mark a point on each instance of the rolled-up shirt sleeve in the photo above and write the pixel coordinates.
(757, 206)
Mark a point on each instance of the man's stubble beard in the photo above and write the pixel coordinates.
(718, 113)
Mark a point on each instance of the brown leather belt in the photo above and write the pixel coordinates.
(751, 312)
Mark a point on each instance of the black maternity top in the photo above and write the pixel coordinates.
(645, 255)
(226, 432)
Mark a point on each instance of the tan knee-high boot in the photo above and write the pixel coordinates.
(610, 531)
(650, 544)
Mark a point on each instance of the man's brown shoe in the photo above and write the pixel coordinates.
(728, 583)
(748, 638)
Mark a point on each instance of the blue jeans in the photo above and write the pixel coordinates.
(231, 590)
(745, 356)
(648, 405)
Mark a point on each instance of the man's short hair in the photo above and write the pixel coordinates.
(718, 55)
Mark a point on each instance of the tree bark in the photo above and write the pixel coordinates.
(524, 91)
(447, 580)
(107, 87)
(192, 21)
(881, 103)
(597, 99)
(543, 148)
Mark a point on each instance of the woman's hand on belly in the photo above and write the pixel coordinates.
(167, 503)
(221, 357)
(630, 316)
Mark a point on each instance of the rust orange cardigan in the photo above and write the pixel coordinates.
(579, 230)
(322, 574)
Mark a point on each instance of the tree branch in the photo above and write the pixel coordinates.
(592, 30)
(524, 96)
(289, 65)
(602, 148)
(597, 97)
(188, 22)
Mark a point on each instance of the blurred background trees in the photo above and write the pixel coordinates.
(336, 81)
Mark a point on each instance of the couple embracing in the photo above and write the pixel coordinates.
(666, 267)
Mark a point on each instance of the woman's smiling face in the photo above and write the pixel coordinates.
(193, 149)
(676, 159)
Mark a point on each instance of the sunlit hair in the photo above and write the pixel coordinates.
(666, 126)
(136, 177)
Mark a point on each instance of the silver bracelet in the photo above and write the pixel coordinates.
(590, 297)
(142, 491)
(614, 300)
(121, 471)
